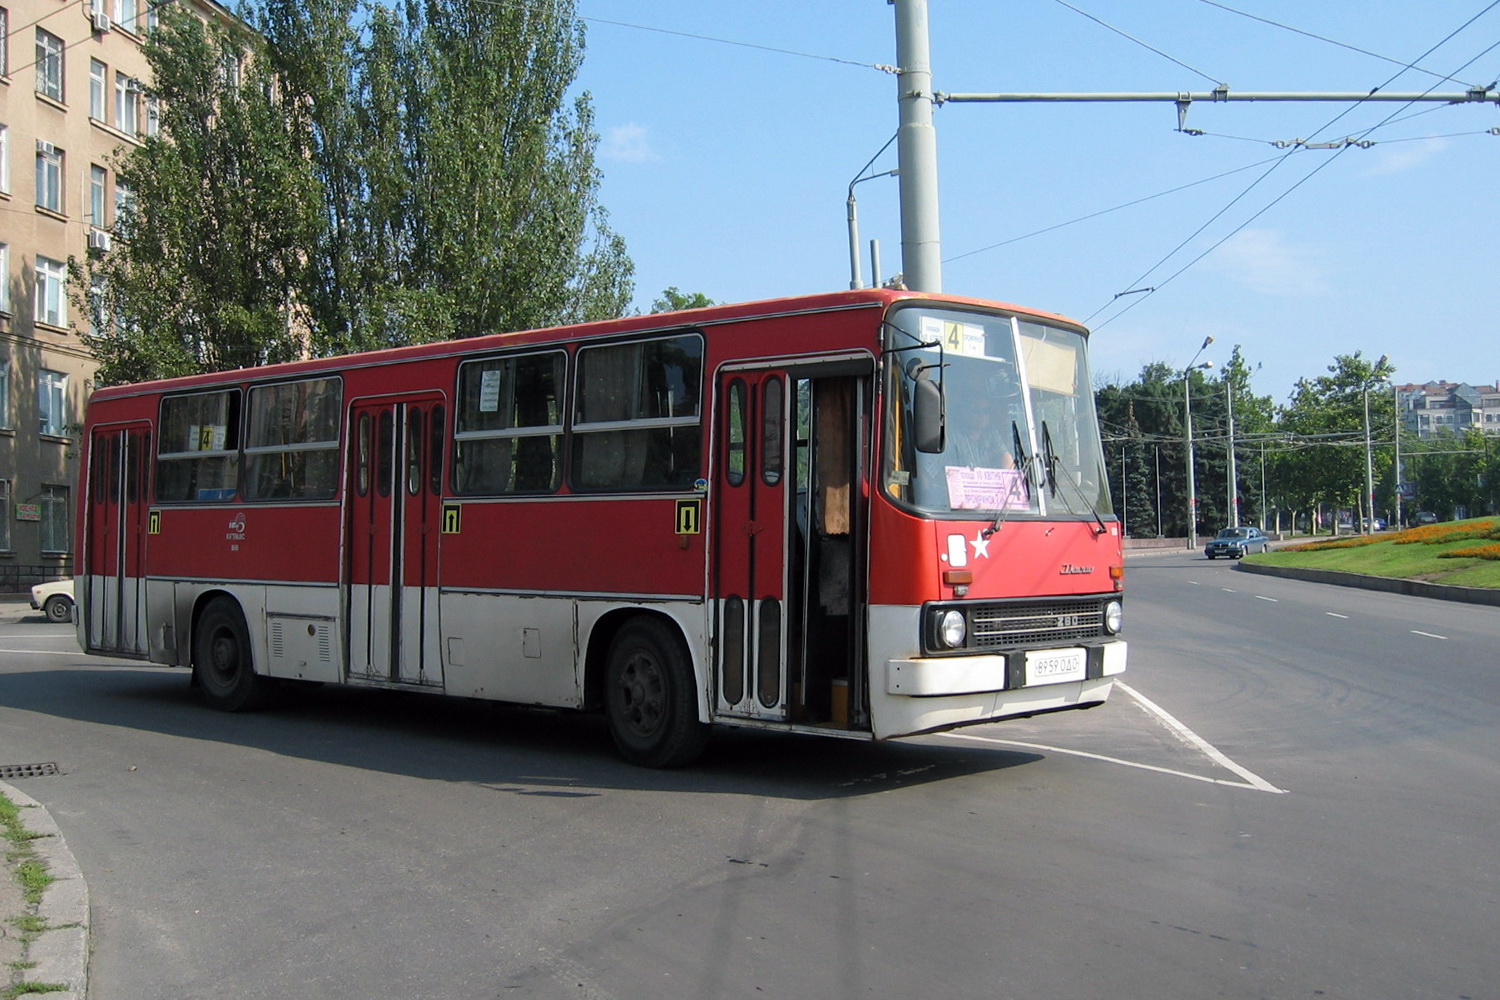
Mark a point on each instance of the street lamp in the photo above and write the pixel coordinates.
(1369, 459)
(1187, 409)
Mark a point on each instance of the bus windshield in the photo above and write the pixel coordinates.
(1021, 436)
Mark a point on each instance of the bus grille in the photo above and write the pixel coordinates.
(1035, 622)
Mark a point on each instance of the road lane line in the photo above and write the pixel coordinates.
(1273, 600)
(1211, 751)
(1113, 760)
(1334, 614)
(1428, 634)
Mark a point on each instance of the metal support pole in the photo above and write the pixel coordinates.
(1192, 487)
(1233, 480)
(916, 151)
(1369, 469)
(1187, 408)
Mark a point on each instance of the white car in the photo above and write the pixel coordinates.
(55, 598)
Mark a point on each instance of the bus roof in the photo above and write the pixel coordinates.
(706, 316)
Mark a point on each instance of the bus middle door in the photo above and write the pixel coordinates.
(391, 539)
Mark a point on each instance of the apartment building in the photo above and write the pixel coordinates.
(72, 94)
(1435, 408)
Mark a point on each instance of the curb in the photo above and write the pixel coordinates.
(61, 954)
(1386, 584)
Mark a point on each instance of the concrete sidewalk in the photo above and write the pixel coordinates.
(44, 944)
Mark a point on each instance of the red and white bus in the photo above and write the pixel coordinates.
(866, 514)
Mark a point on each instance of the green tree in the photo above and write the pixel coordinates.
(209, 256)
(463, 193)
(673, 300)
(1324, 464)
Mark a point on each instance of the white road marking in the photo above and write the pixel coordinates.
(1108, 760)
(1273, 600)
(1428, 634)
(1334, 614)
(1207, 748)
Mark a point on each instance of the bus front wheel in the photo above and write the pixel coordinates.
(222, 662)
(650, 699)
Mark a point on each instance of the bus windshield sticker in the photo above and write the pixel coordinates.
(986, 489)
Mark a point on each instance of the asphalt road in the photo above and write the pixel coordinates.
(1299, 799)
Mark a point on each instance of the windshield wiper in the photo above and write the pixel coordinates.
(1021, 484)
(1067, 477)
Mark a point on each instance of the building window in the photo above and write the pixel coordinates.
(98, 74)
(98, 178)
(5, 515)
(4, 42)
(127, 104)
(49, 65)
(5, 393)
(52, 402)
(153, 114)
(51, 300)
(4, 289)
(49, 176)
(4, 159)
(126, 12)
(55, 522)
(124, 200)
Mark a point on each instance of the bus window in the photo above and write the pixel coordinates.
(636, 419)
(199, 447)
(508, 437)
(734, 435)
(435, 451)
(414, 451)
(292, 445)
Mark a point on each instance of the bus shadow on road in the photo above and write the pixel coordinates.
(512, 750)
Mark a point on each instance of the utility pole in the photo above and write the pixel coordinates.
(916, 151)
(1234, 481)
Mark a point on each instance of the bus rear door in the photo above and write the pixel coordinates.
(114, 600)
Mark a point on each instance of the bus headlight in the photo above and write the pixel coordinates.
(952, 630)
(1114, 617)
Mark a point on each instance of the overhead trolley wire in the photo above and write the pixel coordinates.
(1280, 160)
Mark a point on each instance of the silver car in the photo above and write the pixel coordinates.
(1235, 543)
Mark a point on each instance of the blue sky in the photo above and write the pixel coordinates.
(726, 168)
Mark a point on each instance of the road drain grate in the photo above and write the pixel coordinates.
(8, 771)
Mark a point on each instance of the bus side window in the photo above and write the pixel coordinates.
(734, 434)
(198, 447)
(435, 450)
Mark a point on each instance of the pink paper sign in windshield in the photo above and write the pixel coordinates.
(986, 489)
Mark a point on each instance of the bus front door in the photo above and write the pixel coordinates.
(113, 601)
(750, 544)
(391, 540)
(789, 567)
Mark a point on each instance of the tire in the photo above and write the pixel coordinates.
(1209, 554)
(58, 609)
(222, 665)
(649, 697)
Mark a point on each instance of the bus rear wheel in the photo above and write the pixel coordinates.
(222, 663)
(650, 698)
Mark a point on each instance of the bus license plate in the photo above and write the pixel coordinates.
(1056, 666)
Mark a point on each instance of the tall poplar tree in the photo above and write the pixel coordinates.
(208, 259)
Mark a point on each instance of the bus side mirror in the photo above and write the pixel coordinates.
(927, 417)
